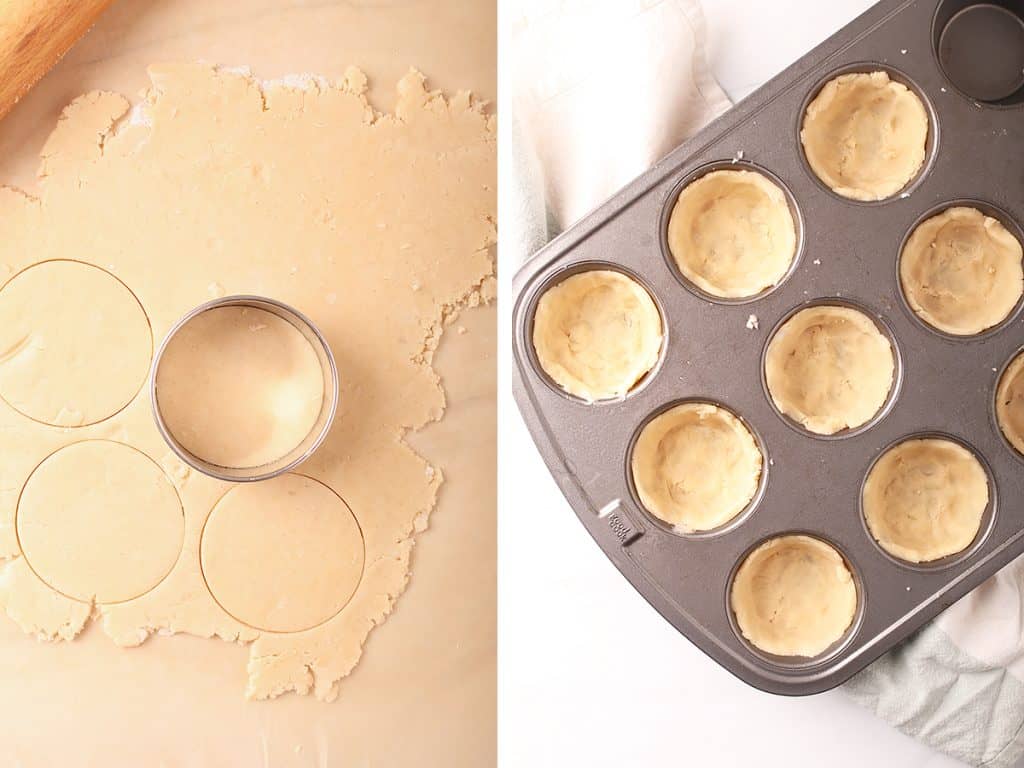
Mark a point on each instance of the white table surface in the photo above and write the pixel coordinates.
(590, 674)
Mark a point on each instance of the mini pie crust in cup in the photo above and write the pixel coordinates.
(924, 499)
(794, 595)
(961, 272)
(696, 466)
(829, 368)
(865, 135)
(731, 233)
(1010, 403)
(597, 333)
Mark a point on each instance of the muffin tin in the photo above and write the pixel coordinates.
(848, 253)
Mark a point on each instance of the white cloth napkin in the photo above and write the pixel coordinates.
(599, 90)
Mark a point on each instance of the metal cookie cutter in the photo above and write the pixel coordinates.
(320, 428)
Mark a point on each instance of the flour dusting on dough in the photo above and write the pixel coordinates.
(298, 189)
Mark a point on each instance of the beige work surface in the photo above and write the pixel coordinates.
(424, 691)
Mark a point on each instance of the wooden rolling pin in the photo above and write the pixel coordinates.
(34, 34)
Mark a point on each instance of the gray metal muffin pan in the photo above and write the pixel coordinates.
(848, 252)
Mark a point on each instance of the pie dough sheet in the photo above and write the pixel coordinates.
(829, 368)
(961, 271)
(1010, 403)
(865, 135)
(378, 226)
(239, 387)
(731, 233)
(924, 499)
(696, 466)
(794, 596)
(597, 333)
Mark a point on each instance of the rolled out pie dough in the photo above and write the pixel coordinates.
(282, 555)
(378, 226)
(829, 368)
(865, 135)
(239, 386)
(924, 499)
(961, 271)
(75, 344)
(98, 520)
(696, 466)
(732, 234)
(1010, 403)
(794, 596)
(597, 334)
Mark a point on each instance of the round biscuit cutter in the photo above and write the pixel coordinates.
(320, 428)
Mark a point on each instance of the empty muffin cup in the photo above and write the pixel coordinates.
(244, 388)
(980, 48)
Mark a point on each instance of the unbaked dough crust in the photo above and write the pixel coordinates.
(597, 333)
(829, 368)
(100, 521)
(378, 226)
(283, 555)
(1010, 403)
(696, 466)
(732, 234)
(961, 271)
(865, 135)
(924, 499)
(794, 596)
(239, 387)
(75, 344)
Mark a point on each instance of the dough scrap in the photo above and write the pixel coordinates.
(961, 271)
(865, 135)
(732, 234)
(75, 344)
(696, 466)
(597, 333)
(924, 499)
(1010, 403)
(239, 387)
(829, 368)
(378, 226)
(794, 596)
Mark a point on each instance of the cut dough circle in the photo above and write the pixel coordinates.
(865, 135)
(732, 233)
(794, 596)
(961, 271)
(1010, 403)
(282, 555)
(100, 521)
(829, 368)
(239, 386)
(597, 333)
(924, 499)
(75, 344)
(696, 466)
